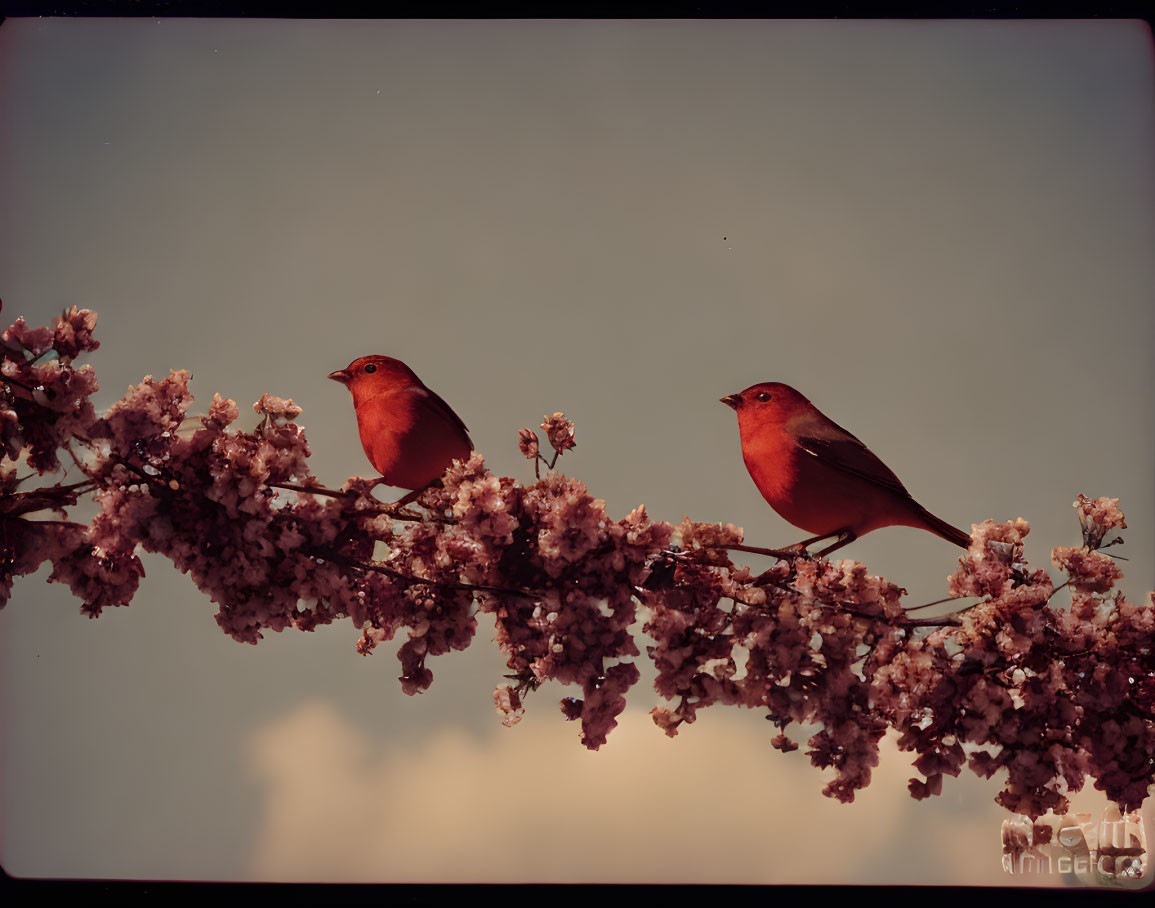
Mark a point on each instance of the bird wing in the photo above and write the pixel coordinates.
(825, 440)
(442, 409)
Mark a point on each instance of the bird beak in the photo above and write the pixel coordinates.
(340, 375)
(731, 401)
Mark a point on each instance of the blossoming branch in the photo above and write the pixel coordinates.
(1012, 682)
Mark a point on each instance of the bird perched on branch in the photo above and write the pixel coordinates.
(818, 476)
(409, 433)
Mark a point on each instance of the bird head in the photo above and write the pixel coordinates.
(767, 402)
(372, 376)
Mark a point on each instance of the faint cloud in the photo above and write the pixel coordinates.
(716, 804)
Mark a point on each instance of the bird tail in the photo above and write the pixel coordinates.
(941, 528)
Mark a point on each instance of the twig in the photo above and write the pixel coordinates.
(537, 458)
(915, 608)
(12, 381)
(763, 580)
(76, 460)
(944, 621)
(312, 490)
(775, 553)
(50, 498)
(406, 578)
(154, 481)
(378, 506)
(75, 485)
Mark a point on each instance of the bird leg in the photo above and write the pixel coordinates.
(408, 499)
(801, 546)
(798, 550)
(414, 495)
(398, 505)
(845, 537)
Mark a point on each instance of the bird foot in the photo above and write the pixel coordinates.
(408, 498)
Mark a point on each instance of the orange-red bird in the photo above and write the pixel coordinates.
(818, 476)
(409, 433)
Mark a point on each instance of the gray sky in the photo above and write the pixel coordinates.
(941, 232)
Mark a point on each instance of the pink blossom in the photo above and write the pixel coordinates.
(528, 443)
(19, 339)
(508, 703)
(72, 333)
(1089, 571)
(559, 431)
(277, 408)
(1096, 517)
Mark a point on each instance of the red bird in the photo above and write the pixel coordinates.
(818, 476)
(409, 433)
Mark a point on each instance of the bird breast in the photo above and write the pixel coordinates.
(383, 423)
(772, 459)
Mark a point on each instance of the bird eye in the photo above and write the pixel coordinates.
(763, 397)
(371, 368)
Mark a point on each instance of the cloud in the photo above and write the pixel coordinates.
(529, 804)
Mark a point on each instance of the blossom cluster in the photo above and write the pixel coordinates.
(1011, 682)
(1049, 695)
(787, 642)
(47, 400)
